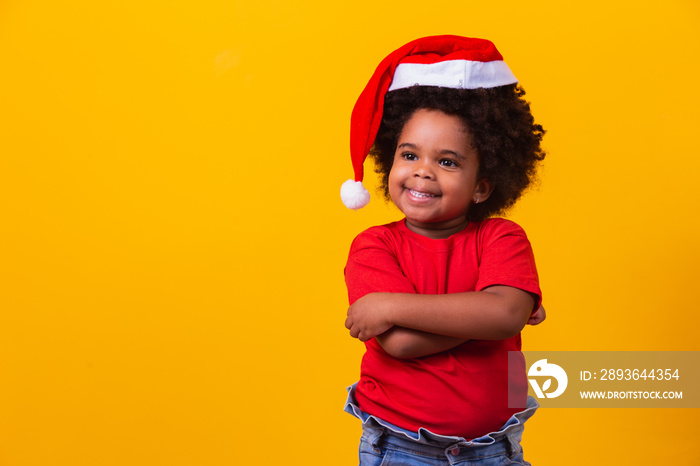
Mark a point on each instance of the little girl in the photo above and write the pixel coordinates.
(441, 296)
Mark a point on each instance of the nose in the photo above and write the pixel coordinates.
(423, 169)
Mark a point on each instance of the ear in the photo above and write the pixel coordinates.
(483, 190)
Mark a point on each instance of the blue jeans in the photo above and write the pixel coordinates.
(383, 443)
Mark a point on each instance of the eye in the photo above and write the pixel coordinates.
(409, 156)
(448, 163)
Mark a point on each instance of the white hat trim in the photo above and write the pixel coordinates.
(456, 74)
(354, 195)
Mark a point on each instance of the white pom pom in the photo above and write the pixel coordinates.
(354, 195)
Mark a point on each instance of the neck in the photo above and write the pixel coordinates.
(439, 230)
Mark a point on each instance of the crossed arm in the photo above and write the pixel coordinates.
(414, 325)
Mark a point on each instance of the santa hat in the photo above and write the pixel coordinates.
(444, 61)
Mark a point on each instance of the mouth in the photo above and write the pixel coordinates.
(420, 194)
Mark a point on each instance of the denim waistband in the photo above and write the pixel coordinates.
(379, 439)
(511, 429)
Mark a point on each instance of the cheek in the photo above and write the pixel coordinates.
(391, 182)
(393, 174)
(460, 187)
(395, 182)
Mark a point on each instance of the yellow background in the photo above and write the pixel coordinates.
(172, 239)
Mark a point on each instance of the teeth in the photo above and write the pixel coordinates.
(419, 194)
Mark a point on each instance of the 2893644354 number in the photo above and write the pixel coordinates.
(639, 374)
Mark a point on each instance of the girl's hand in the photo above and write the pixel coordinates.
(537, 318)
(368, 316)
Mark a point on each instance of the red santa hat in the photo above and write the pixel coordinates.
(444, 61)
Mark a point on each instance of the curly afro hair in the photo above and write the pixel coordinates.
(503, 130)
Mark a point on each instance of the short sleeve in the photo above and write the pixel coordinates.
(506, 258)
(373, 266)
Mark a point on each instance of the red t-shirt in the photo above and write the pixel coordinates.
(462, 391)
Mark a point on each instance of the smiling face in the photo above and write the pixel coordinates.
(434, 178)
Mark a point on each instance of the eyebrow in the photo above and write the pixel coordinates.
(410, 145)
